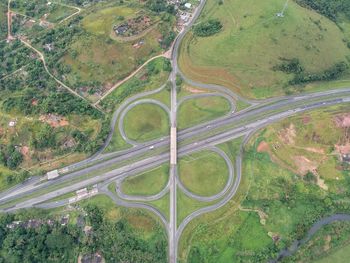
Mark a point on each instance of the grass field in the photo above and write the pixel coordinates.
(252, 42)
(194, 111)
(146, 122)
(186, 205)
(203, 173)
(148, 183)
(162, 205)
(340, 256)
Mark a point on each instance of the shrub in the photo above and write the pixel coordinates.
(208, 28)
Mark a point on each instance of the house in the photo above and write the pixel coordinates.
(120, 30)
(52, 175)
(346, 158)
(188, 5)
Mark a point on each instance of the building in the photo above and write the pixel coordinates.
(52, 175)
(188, 5)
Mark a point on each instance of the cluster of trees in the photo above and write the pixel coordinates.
(329, 8)
(10, 157)
(159, 6)
(208, 28)
(293, 66)
(31, 9)
(115, 240)
(13, 56)
(332, 73)
(289, 66)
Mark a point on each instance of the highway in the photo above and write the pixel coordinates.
(106, 168)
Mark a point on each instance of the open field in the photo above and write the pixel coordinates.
(148, 183)
(145, 122)
(198, 110)
(203, 173)
(340, 256)
(162, 205)
(253, 40)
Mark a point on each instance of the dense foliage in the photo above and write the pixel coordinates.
(115, 240)
(293, 66)
(208, 28)
(10, 157)
(329, 8)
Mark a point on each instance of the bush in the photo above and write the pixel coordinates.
(208, 28)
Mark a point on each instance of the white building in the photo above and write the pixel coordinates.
(52, 175)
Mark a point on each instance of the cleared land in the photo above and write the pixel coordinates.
(204, 173)
(253, 40)
(198, 110)
(148, 183)
(146, 122)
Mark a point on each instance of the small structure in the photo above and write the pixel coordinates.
(188, 5)
(82, 193)
(120, 30)
(346, 158)
(52, 175)
(64, 220)
(12, 123)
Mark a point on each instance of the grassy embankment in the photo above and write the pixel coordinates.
(148, 183)
(199, 110)
(253, 41)
(203, 173)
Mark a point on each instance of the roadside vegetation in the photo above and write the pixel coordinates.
(234, 58)
(295, 173)
(148, 183)
(199, 110)
(145, 122)
(92, 227)
(203, 173)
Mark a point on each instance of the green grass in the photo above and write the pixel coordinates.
(162, 205)
(59, 13)
(96, 56)
(234, 56)
(136, 84)
(340, 256)
(101, 22)
(145, 122)
(204, 173)
(147, 183)
(194, 111)
(186, 206)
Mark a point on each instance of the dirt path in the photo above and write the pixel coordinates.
(42, 58)
(70, 16)
(165, 55)
(9, 22)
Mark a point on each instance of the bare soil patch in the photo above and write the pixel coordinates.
(288, 135)
(342, 120)
(304, 165)
(263, 147)
(54, 120)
